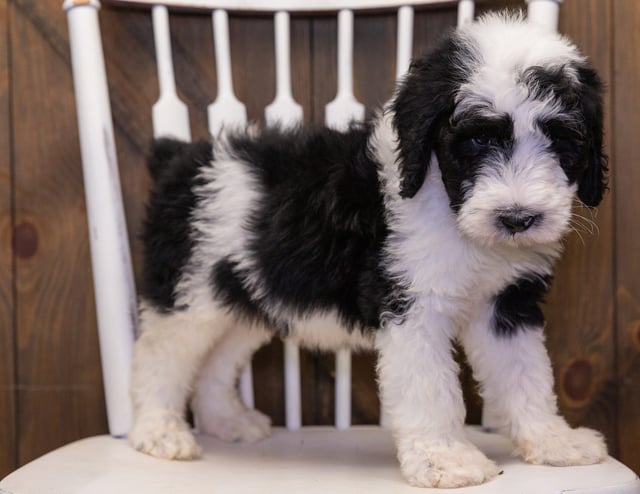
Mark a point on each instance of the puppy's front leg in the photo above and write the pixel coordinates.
(421, 394)
(514, 371)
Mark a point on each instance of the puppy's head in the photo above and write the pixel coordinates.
(513, 115)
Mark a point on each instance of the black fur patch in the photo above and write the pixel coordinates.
(593, 182)
(167, 242)
(465, 143)
(517, 306)
(423, 102)
(229, 290)
(577, 137)
(319, 229)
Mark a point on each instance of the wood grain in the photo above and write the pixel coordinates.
(133, 88)
(58, 375)
(8, 452)
(626, 149)
(580, 332)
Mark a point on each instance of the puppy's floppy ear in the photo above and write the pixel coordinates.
(593, 182)
(423, 100)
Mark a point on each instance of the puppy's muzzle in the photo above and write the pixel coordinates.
(517, 220)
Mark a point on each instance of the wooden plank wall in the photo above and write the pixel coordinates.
(58, 376)
(50, 379)
(626, 178)
(8, 450)
(581, 334)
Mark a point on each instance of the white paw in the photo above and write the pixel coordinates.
(164, 434)
(247, 426)
(560, 445)
(445, 464)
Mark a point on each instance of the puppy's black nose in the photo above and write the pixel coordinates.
(517, 221)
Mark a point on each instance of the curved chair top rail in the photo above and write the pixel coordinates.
(302, 6)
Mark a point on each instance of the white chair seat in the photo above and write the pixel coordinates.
(311, 460)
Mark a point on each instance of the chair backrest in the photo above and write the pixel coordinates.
(111, 259)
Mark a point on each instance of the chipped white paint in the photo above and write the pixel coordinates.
(110, 255)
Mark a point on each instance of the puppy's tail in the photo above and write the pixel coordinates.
(168, 156)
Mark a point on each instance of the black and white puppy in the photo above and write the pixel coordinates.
(439, 221)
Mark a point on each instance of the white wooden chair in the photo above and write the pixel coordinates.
(301, 459)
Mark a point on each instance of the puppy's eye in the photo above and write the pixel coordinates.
(477, 144)
(481, 140)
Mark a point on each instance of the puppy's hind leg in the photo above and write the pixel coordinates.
(217, 406)
(167, 356)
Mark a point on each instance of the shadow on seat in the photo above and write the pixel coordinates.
(309, 460)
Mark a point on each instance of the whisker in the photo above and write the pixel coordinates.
(584, 222)
(578, 233)
(593, 212)
(580, 228)
(584, 227)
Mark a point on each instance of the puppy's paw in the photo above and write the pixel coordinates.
(247, 426)
(560, 445)
(445, 464)
(164, 434)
